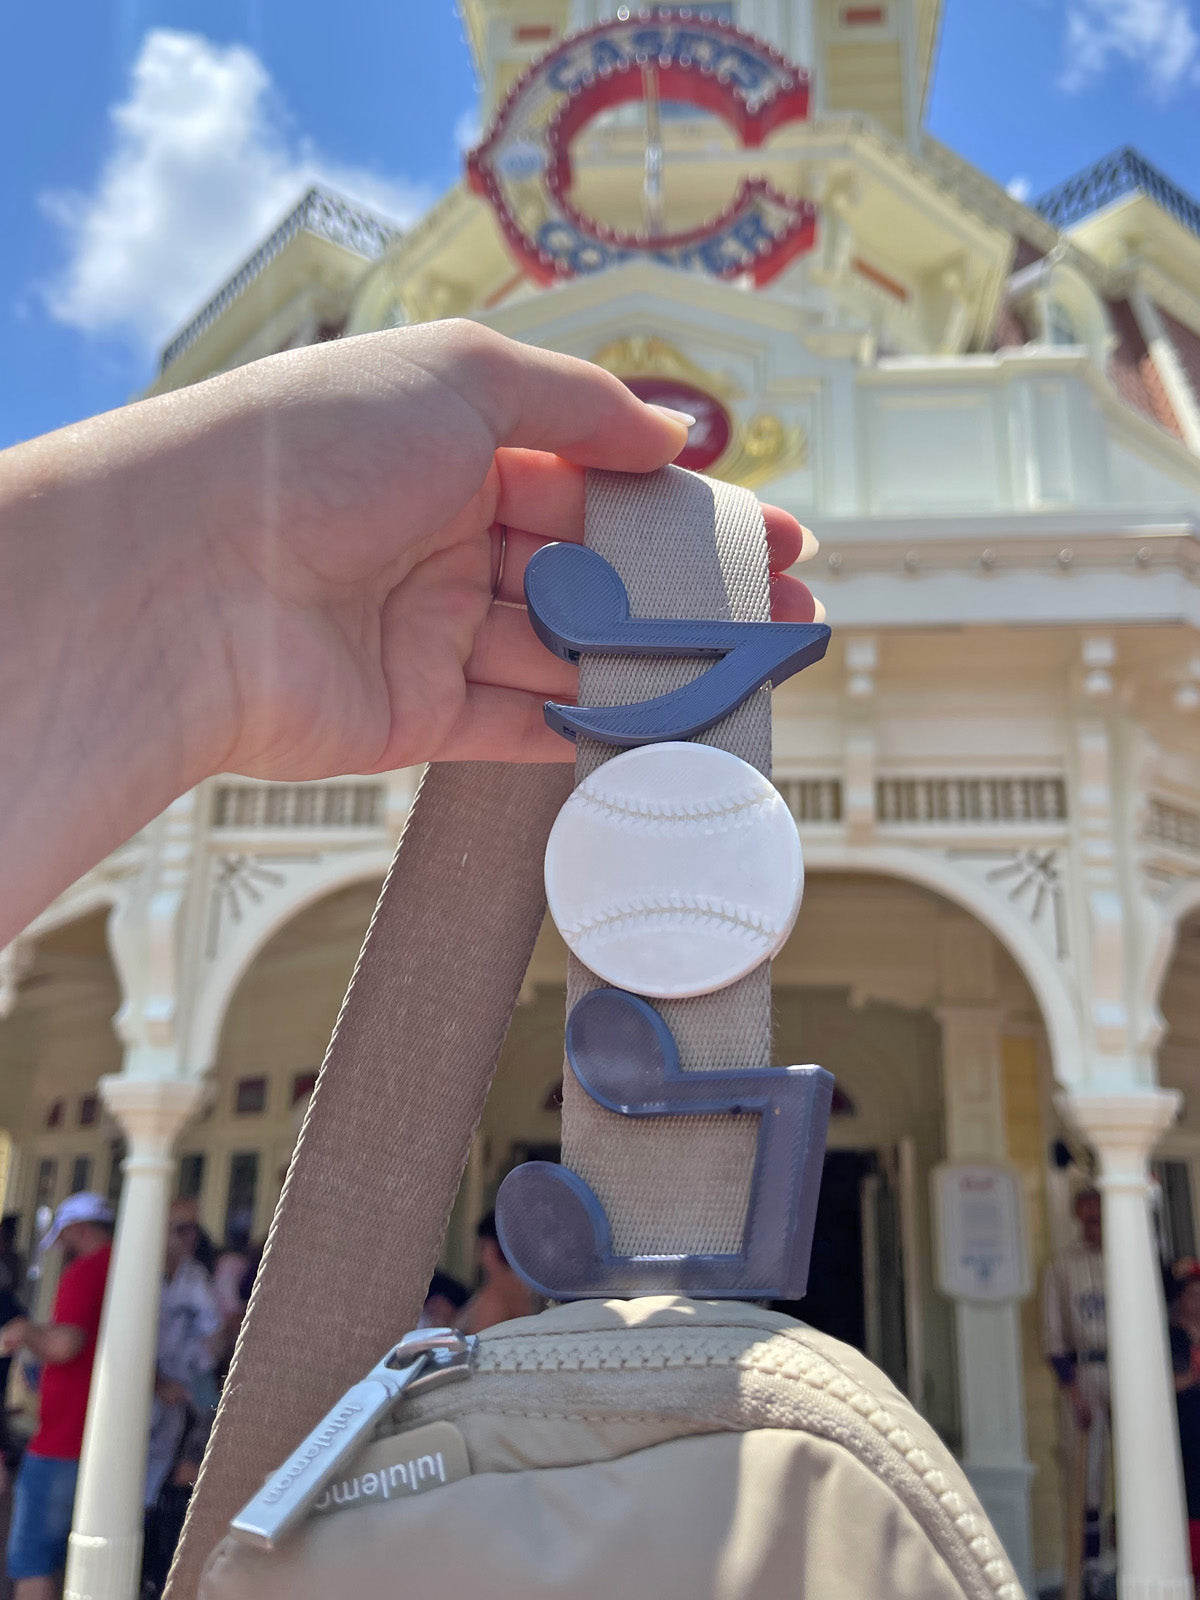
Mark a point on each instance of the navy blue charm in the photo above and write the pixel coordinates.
(578, 606)
(552, 1227)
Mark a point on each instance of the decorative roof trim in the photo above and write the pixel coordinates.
(1121, 173)
(320, 212)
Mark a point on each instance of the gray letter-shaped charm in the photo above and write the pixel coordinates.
(554, 1230)
(578, 606)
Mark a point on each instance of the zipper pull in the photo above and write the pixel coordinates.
(422, 1360)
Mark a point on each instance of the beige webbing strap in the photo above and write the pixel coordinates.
(368, 1194)
(685, 547)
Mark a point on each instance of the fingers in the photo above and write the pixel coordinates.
(544, 496)
(541, 494)
(497, 724)
(519, 548)
(793, 601)
(543, 401)
(788, 541)
(508, 654)
(541, 498)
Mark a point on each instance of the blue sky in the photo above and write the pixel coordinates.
(149, 144)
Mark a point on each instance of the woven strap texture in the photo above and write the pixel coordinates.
(368, 1194)
(685, 546)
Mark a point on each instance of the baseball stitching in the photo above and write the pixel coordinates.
(738, 810)
(735, 919)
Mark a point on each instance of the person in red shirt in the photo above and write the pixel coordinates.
(44, 1493)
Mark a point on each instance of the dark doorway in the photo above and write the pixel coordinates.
(834, 1302)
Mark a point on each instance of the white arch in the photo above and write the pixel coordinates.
(1054, 999)
(82, 899)
(307, 883)
(317, 880)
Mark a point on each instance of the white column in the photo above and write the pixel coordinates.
(990, 1359)
(106, 1539)
(1152, 1540)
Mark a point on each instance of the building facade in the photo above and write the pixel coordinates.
(990, 414)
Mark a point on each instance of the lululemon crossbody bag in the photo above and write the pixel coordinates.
(656, 1432)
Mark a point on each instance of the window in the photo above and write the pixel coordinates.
(1176, 1230)
(47, 1178)
(54, 1116)
(243, 1192)
(89, 1110)
(1060, 324)
(250, 1097)
(81, 1174)
(191, 1176)
(116, 1159)
(302, 1086)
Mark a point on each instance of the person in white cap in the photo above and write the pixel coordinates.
(44, 1493)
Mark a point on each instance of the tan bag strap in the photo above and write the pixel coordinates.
(380, 1156)
(685, 546)
(378, 1162)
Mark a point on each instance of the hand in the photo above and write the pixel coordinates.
(286, 571)
(170, 1392)
(13, 1335)
(359, 490)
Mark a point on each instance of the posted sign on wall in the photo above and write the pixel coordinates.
(982, 1249)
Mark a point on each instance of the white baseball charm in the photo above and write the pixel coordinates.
(674, 870)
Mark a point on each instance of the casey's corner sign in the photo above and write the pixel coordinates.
(523, 165)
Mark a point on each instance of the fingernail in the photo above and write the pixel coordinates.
(818, 611)
(809, 545)
(675, 416)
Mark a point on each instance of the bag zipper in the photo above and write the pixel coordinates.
(423, 1359)
(431, 1357)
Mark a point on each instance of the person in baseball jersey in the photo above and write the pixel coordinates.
(1075, 1338)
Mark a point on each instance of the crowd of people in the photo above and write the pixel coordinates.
(203, 1299)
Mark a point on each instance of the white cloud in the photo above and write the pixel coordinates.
(1018, 187)
(1157, 38)
(202, 165)
(468, 130)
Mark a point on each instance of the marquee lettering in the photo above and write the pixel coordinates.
(523, 165)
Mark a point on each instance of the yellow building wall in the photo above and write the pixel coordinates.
(277, 1026)
(54, 1047)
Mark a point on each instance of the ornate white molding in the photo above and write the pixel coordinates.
(964, 884)
(1006, 805)
(972, 801)
(1031, 881)
(245, 805)
(1122, 1128)
(812, 800)
(247, 899)
(146, 937)
(240, 884)
(151, 1113)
